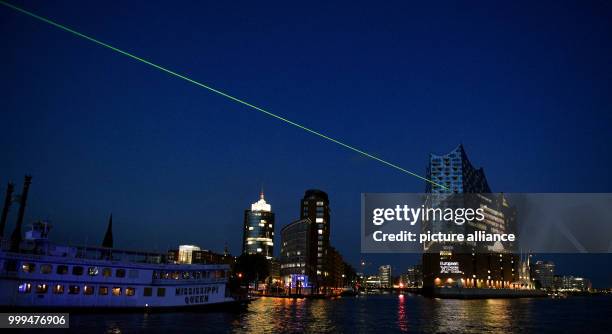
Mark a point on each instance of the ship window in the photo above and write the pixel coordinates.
(107, 272)
(77, 270)
(155, 275)
(28, 267)
(120, 273)
(161, 292)
(130, 291)
(103, 290)
(116, 291)
(88, 290)
(74, 289)
(58, 289)
(42, 288)
(185, 275)
(25, 288)
(133, 273)
(93, 271)
(62, 269)
(175, 275)
(46, 269)
(148, 292)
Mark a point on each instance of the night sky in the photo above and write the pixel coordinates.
(525, 86)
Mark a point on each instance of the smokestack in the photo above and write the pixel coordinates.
(16, 236)
(7, 205)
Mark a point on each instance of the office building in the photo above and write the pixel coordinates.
(572, 283)
(297, 265)
(185, 253)
(315, 207)
(386, 278)
(543, 272)
(258, 230)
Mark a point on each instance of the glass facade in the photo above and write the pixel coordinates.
(467, 264)
(258, 234)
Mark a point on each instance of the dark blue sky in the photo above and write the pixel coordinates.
(524, 86)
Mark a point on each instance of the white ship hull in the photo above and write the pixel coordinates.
(44, 281)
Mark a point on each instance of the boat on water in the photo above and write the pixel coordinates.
(35, 273)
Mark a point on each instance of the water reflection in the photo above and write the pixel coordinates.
(273, 315)
(368, 314)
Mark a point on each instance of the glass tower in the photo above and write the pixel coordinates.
(258, 233)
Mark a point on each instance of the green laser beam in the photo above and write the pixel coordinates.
(235, 99)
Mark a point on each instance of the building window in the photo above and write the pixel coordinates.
(103, 290)
(42, 288)
(74, 289)
(46, 269)
(148, 292)
(88, 290)
(77, 270)
(161, 292)
(92, 271)
(120, 273)
(62, 269)
(25, 288)
(116, 291)
(28, 267)
(58, 289)
(107, 272)
(130, 291)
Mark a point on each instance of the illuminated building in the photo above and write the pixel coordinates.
(185, 253)
(571, 283)
(413, 278)
(543, 273)
(467, 264)
(297, 265)
(258, 233)
(307, 258)
(315, 207)
(386, 279)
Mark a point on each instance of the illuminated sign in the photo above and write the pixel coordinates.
(449, 267)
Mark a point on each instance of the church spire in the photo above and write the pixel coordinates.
(108, 237)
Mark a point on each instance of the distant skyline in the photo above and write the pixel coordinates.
(524, 86)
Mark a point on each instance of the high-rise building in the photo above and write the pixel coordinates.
(315, 207)
(297, 264)
(467, 264)
(414, 277)
(386, 278)
(543, 272)
(258, 233)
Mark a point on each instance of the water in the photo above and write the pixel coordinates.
(376, 314)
